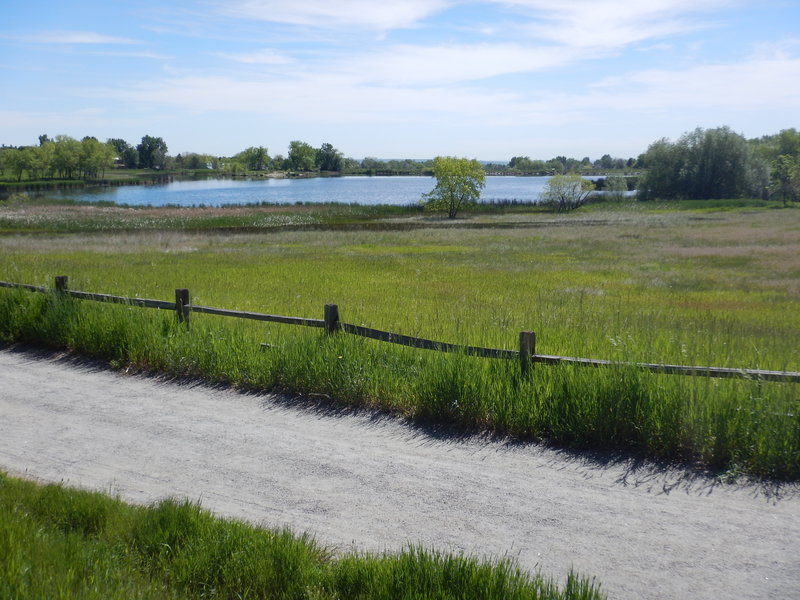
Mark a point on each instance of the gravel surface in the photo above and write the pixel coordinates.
(372, 483)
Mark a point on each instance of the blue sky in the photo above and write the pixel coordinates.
(413, 79)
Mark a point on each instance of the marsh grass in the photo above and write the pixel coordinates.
(59, 542)
(739, 425)
(628, 283)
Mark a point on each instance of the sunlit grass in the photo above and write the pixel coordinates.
(58, 542)
(715, 289)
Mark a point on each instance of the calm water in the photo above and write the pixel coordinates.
(346, 190)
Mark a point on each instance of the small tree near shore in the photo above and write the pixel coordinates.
(459, 182)
(566, 192)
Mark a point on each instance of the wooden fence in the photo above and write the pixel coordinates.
(526, 354)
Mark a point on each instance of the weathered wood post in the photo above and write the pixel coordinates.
(61, 283)
(331, 318)
(181, 302)
(527, 348)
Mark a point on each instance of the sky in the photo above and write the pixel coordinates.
(487, 79)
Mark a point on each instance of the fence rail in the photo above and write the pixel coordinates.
(526, 354)
(253, 316)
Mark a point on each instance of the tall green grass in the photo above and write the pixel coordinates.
(63, 543)
(736, 425)
(642, 282)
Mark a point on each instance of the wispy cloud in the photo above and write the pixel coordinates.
(754, 84)
(444, 73)
(265, 56)
(611, 23)
(349, 14)
(777, 49)
(71, 37)
(145, 54)
(449, 64)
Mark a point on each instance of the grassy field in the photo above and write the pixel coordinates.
(701, 284)
(58, 542)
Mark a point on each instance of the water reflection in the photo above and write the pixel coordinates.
(340, 190)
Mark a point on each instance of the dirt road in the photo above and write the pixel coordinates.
(373, 483)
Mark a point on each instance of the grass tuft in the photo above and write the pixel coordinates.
(70, 544)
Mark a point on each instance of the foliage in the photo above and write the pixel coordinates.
(152, 152)
(785, 178)
(59, 542)
(126, 154)
(563, 193)
(302, 157)
(193, 161)
(329, 158)
(64, 156)
(459, 182)
(615, 189)
(372, 166)
(524, 165)
(713, 163)
(254, 158)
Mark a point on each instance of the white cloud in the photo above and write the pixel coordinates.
(266, 56)
(611, 23)
(150, 55)
(779, 49)
(349, 14)
(755, 84)
(447, 64)
(312, 99)
(730, 89)
(72, 37)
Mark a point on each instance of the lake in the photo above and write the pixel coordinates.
(342, 190)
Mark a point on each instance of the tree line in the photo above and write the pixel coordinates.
(704, 163)
(64, 157)
(719, 163)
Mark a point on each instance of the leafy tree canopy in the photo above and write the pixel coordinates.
(459, 182)
(152, 152)
(702, 164)
(566, 192)
(302, 157)
(329, 158)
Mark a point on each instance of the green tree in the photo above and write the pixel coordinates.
(785, 178)
(253, 158)
(566, 192)
(278, 163)
(302, 157)
(152, 152)
(615, 189)
(459, 182)
(126, 154)
(16, 160)
(372, 165)
(46, 152)
(713, 163)
(329, 158)
(94, 157)
(606, 162)
(66, 156)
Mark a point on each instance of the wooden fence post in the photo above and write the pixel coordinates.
(527, 348)
(61, 283)
(181, 302)
(331, 318)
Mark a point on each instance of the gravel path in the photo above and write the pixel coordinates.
(376, 484)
